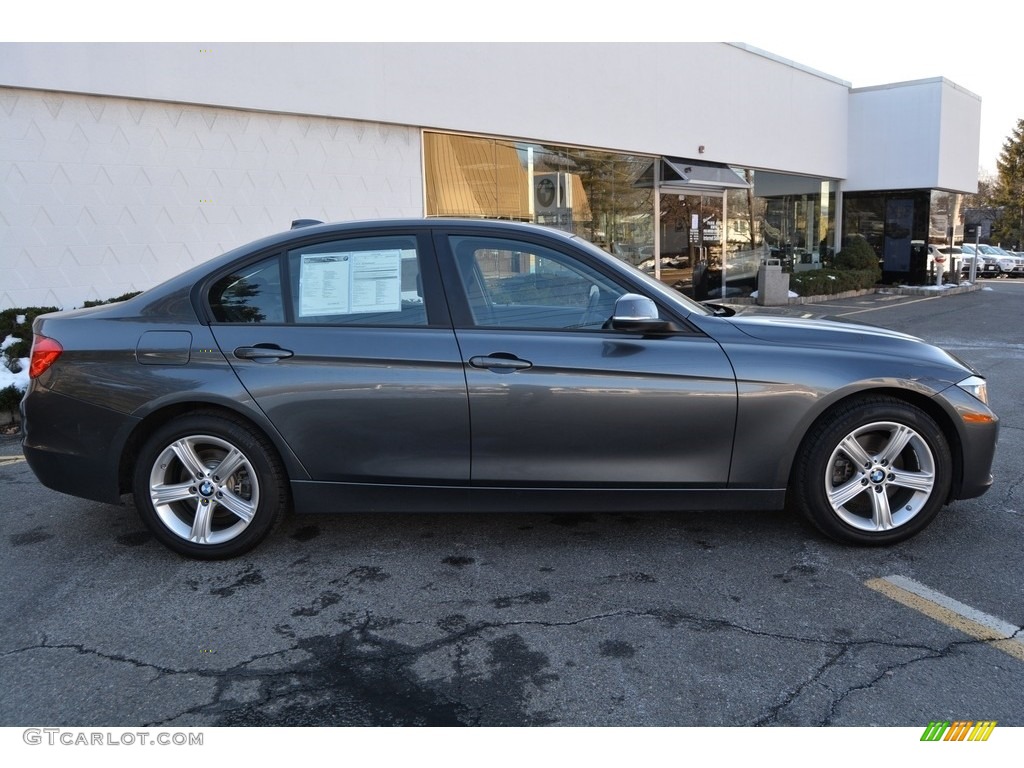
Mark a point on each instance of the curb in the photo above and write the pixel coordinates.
(897, 290)
(925, 290)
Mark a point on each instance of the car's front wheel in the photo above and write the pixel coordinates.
(208, 486)
(873, 471)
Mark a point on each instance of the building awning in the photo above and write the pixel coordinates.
(692, 176)
(699, 176)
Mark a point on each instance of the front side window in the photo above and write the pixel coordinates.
(512, 284)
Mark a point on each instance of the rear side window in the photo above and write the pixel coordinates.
(361, 281)
(250, 295)
(364, 281)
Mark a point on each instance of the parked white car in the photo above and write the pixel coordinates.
(987, 265)
(1009, 264)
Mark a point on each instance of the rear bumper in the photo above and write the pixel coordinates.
(74, 447)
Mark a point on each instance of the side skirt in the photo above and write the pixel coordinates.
(334, 498)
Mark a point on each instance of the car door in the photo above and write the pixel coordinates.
(559, 400)
(346, 344)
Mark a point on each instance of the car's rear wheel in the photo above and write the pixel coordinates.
(209, 487)
(873, 471)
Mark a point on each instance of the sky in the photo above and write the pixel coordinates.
(994, 71)
(864, 42)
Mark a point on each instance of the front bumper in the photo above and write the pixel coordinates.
(977, 427)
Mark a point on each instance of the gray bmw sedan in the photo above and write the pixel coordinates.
(449, 365)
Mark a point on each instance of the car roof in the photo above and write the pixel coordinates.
(315, 231)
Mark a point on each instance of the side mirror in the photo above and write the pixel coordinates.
(637, 313)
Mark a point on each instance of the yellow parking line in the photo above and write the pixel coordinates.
(995, 632)
(4, 460)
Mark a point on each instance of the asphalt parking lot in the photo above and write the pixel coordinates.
(726, 619)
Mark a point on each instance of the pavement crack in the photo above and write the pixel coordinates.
(772, 715)
(114, 657)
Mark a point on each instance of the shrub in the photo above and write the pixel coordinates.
(826, 282)
(9, 326)
(18, 349)
(857, 254)
(22, 331)
(10, 397)
(122, 297)
(854, 268)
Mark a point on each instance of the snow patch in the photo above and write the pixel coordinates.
(7, 377)
(945, 287)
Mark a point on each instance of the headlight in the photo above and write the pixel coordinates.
(975, 385)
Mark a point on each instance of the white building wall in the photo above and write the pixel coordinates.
(122, 164)
(743, 105)
(959, 139)
(916, 135)
(100, 196)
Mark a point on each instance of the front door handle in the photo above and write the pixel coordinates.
(500, 362)
(263, 353)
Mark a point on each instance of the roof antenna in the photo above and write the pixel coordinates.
(300, 223)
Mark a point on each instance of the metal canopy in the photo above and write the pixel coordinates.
(687, 175)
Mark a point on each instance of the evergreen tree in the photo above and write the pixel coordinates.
(1009, 191)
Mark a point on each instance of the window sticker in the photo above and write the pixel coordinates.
(350, 283)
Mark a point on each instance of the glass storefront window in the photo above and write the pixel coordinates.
(600, 196)
(895, 223)
(944, 225)
(797, 217)
(609, 199)
(790, 218)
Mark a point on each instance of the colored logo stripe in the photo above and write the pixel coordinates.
(934, 731)
(961, 730)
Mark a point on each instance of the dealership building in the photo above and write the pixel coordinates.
(124, 164)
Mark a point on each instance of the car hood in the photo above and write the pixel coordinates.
(840, 334)
(824, 330)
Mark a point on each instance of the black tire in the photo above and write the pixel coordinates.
(872, 471)
(189, 506)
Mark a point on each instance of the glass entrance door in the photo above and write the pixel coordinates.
(691, 243)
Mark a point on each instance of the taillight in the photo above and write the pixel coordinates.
(45, 352)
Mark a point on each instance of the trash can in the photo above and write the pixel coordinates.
(772, 284)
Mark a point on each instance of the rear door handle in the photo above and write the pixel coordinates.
(262, 353)
(500, 362)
